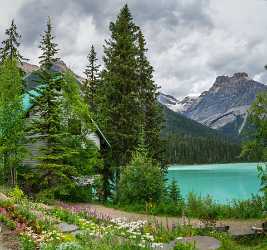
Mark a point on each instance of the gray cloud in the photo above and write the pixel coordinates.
(190, 42)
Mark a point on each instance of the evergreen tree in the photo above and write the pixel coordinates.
(12, 137)
(46, 128)
(152, 113)
(175, 192)
(118, 97)
(92, 78)
(46, 125)
(10, 46)
(48, 47)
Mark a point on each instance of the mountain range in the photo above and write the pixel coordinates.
(222, 110)
(223, 107)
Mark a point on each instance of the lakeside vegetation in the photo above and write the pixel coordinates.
(119, 105)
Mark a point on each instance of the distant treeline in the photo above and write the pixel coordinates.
(185, 149)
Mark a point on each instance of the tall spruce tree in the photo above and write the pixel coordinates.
(10, 46)
(152, 113)
(48, 47)
(46, 125)
(92, 78)
(127, 96)
(119, 97)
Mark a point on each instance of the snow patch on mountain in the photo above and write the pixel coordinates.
(224, 105)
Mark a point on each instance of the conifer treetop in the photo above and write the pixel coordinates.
(48, 47)
(92, 69)
(10, 46)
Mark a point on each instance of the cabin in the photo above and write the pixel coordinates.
(97, 137)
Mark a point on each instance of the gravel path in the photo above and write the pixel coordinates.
(8, 239)
(237, 227)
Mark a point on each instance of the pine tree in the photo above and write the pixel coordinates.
(175, 192)
(46, 124)
(48, 47)
(92, 78)
(10, 46)
(119, 97)
(148, 91)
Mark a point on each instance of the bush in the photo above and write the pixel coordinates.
(6, 221)
(27, 243)
(17, 195)
(141, 181)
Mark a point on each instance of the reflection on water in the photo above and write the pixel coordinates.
(224, 182)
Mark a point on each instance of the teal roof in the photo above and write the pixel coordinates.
(26, 101)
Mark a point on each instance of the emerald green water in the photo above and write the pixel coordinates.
(224, 182)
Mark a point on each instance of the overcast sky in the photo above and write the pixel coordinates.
(190, 41)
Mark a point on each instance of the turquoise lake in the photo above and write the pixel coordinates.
(224, 182)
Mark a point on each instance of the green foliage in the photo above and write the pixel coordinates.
(204, 208)
(257, 147)
(185, 149)
(65, 215)
(118, 101)
(126, 97)
(48, 47)
(184, 246)
(150, 108)
(92, 78)
(141, 181)
(17, 195)
(12, 137)
(188, 142)
(10, 46)
(175, 192)
(53, 173)
(66, 153)
(109, 242)
(26, 242)
(7, 222)
(252, 242)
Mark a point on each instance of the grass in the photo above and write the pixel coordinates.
(198, 207)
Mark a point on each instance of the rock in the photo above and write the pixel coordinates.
(3, 197)
(67, 228)
(203, 242)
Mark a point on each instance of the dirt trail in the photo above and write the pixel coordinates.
(237, 227)
(8, 239)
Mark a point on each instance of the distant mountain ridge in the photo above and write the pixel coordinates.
(224, 106)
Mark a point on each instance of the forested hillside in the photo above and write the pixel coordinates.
(189, 142)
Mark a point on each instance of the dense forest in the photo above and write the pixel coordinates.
(189, 142)
(185, 149)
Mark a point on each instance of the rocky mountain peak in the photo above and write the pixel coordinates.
(221, 79)
(240, 75)
(224, 106)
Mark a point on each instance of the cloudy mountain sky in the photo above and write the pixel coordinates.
(190, 41)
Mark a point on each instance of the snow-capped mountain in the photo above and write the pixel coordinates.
(224, 106)
(174, 104)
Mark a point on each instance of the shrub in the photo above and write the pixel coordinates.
(26, 242)
(141, 181)
(9, 223)
(17, 195)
